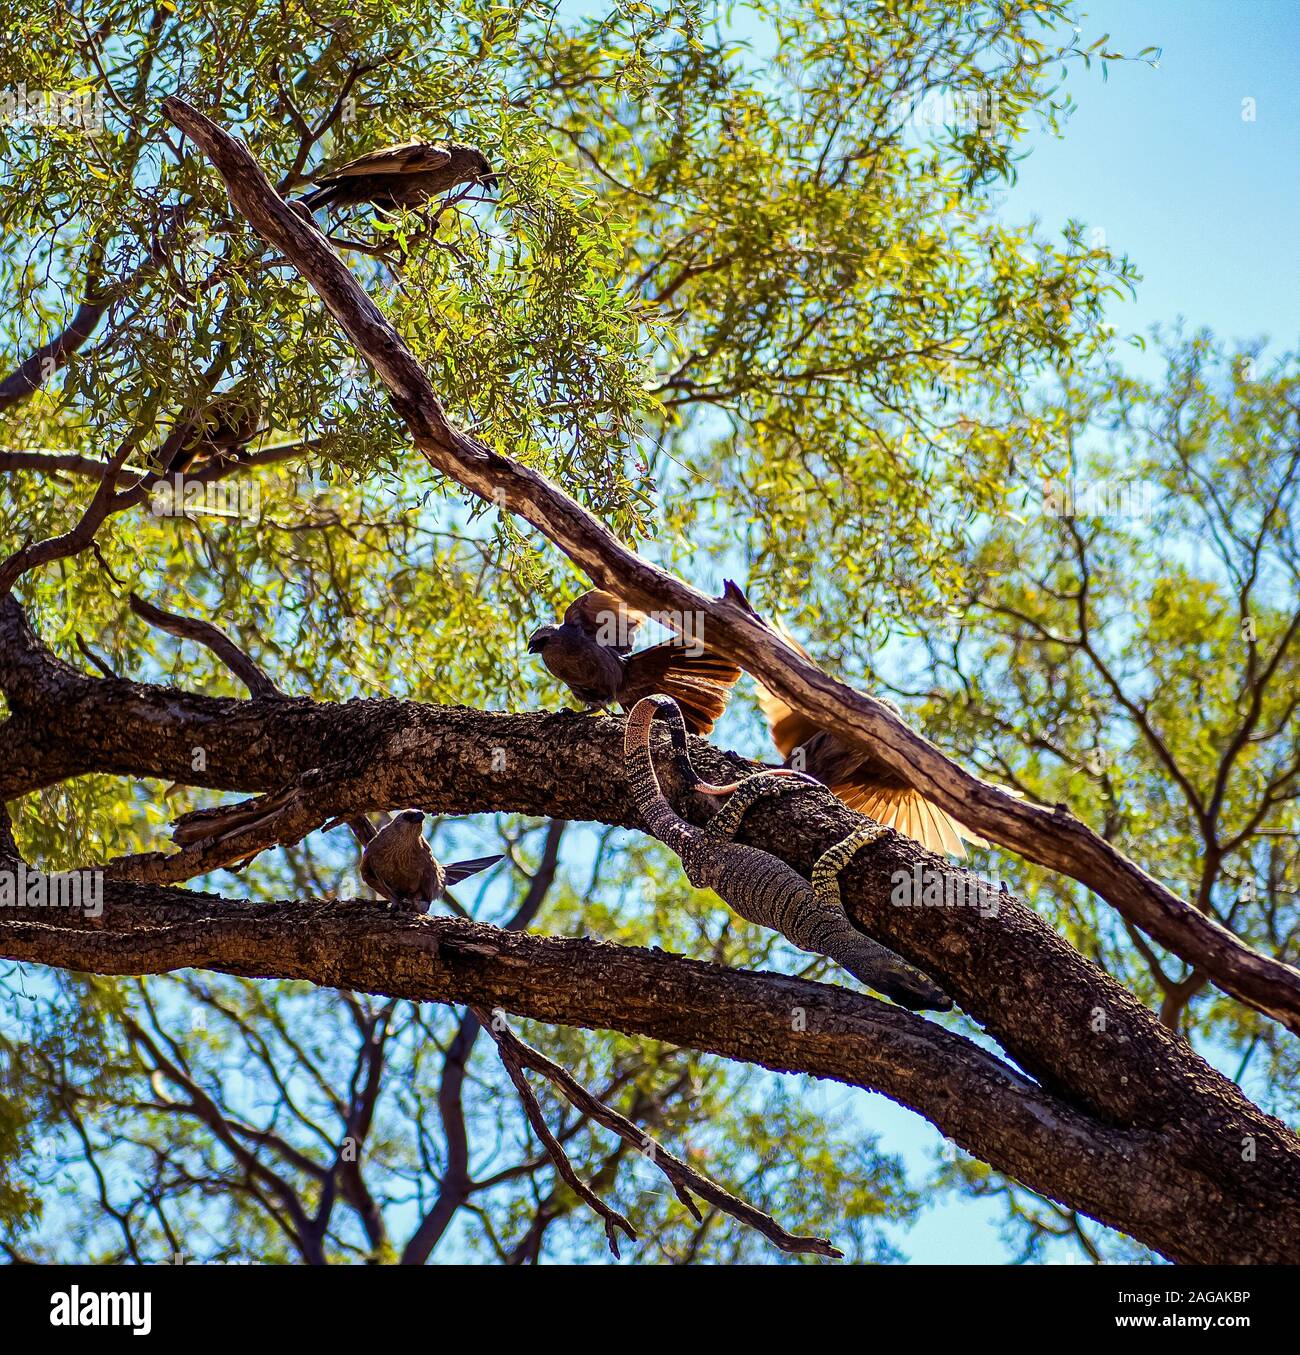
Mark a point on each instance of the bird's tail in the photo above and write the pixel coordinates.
(462, 870)
(698, 680)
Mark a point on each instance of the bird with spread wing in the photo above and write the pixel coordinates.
(591, 653)
(862, 780)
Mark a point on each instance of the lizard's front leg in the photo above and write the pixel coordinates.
(876, 965)
(725, 824)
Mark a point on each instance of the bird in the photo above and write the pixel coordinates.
(591, 653)
(405, 175)
(398, 864)
(857, 776)
(227, 423)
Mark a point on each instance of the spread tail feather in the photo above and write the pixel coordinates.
(910, 813)
(699, 681)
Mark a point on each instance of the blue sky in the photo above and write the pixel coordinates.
(1205, 203)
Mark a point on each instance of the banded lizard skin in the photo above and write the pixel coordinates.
(759, 886)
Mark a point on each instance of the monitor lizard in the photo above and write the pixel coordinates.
(759, 886)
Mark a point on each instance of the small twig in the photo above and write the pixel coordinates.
(205, 633)
(93, 657)
(684, 1180)
(509, 1049)
(104, 565)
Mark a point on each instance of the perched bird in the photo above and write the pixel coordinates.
(401, 176)
(225, 425)
(591, 653)
(398, 864)
(863, 781)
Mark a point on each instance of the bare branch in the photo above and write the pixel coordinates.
(612, 1219)
(683, 1178)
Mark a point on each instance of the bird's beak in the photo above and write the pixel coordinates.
(537, 640)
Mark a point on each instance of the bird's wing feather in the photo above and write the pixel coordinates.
(598, 613)
(910, 813)
(370, 879)
(462, 870)
(407, 158)
(869, 789)
(699, 681)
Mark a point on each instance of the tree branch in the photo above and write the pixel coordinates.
(1152, 1183)
(205, 633)
(1055, 840)
(685, 1180)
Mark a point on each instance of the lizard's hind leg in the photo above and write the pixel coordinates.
(876, 965)
(726, 822)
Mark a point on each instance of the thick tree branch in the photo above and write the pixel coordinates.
(1052, 839)
(1152, 1183)
(1061, 1019)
